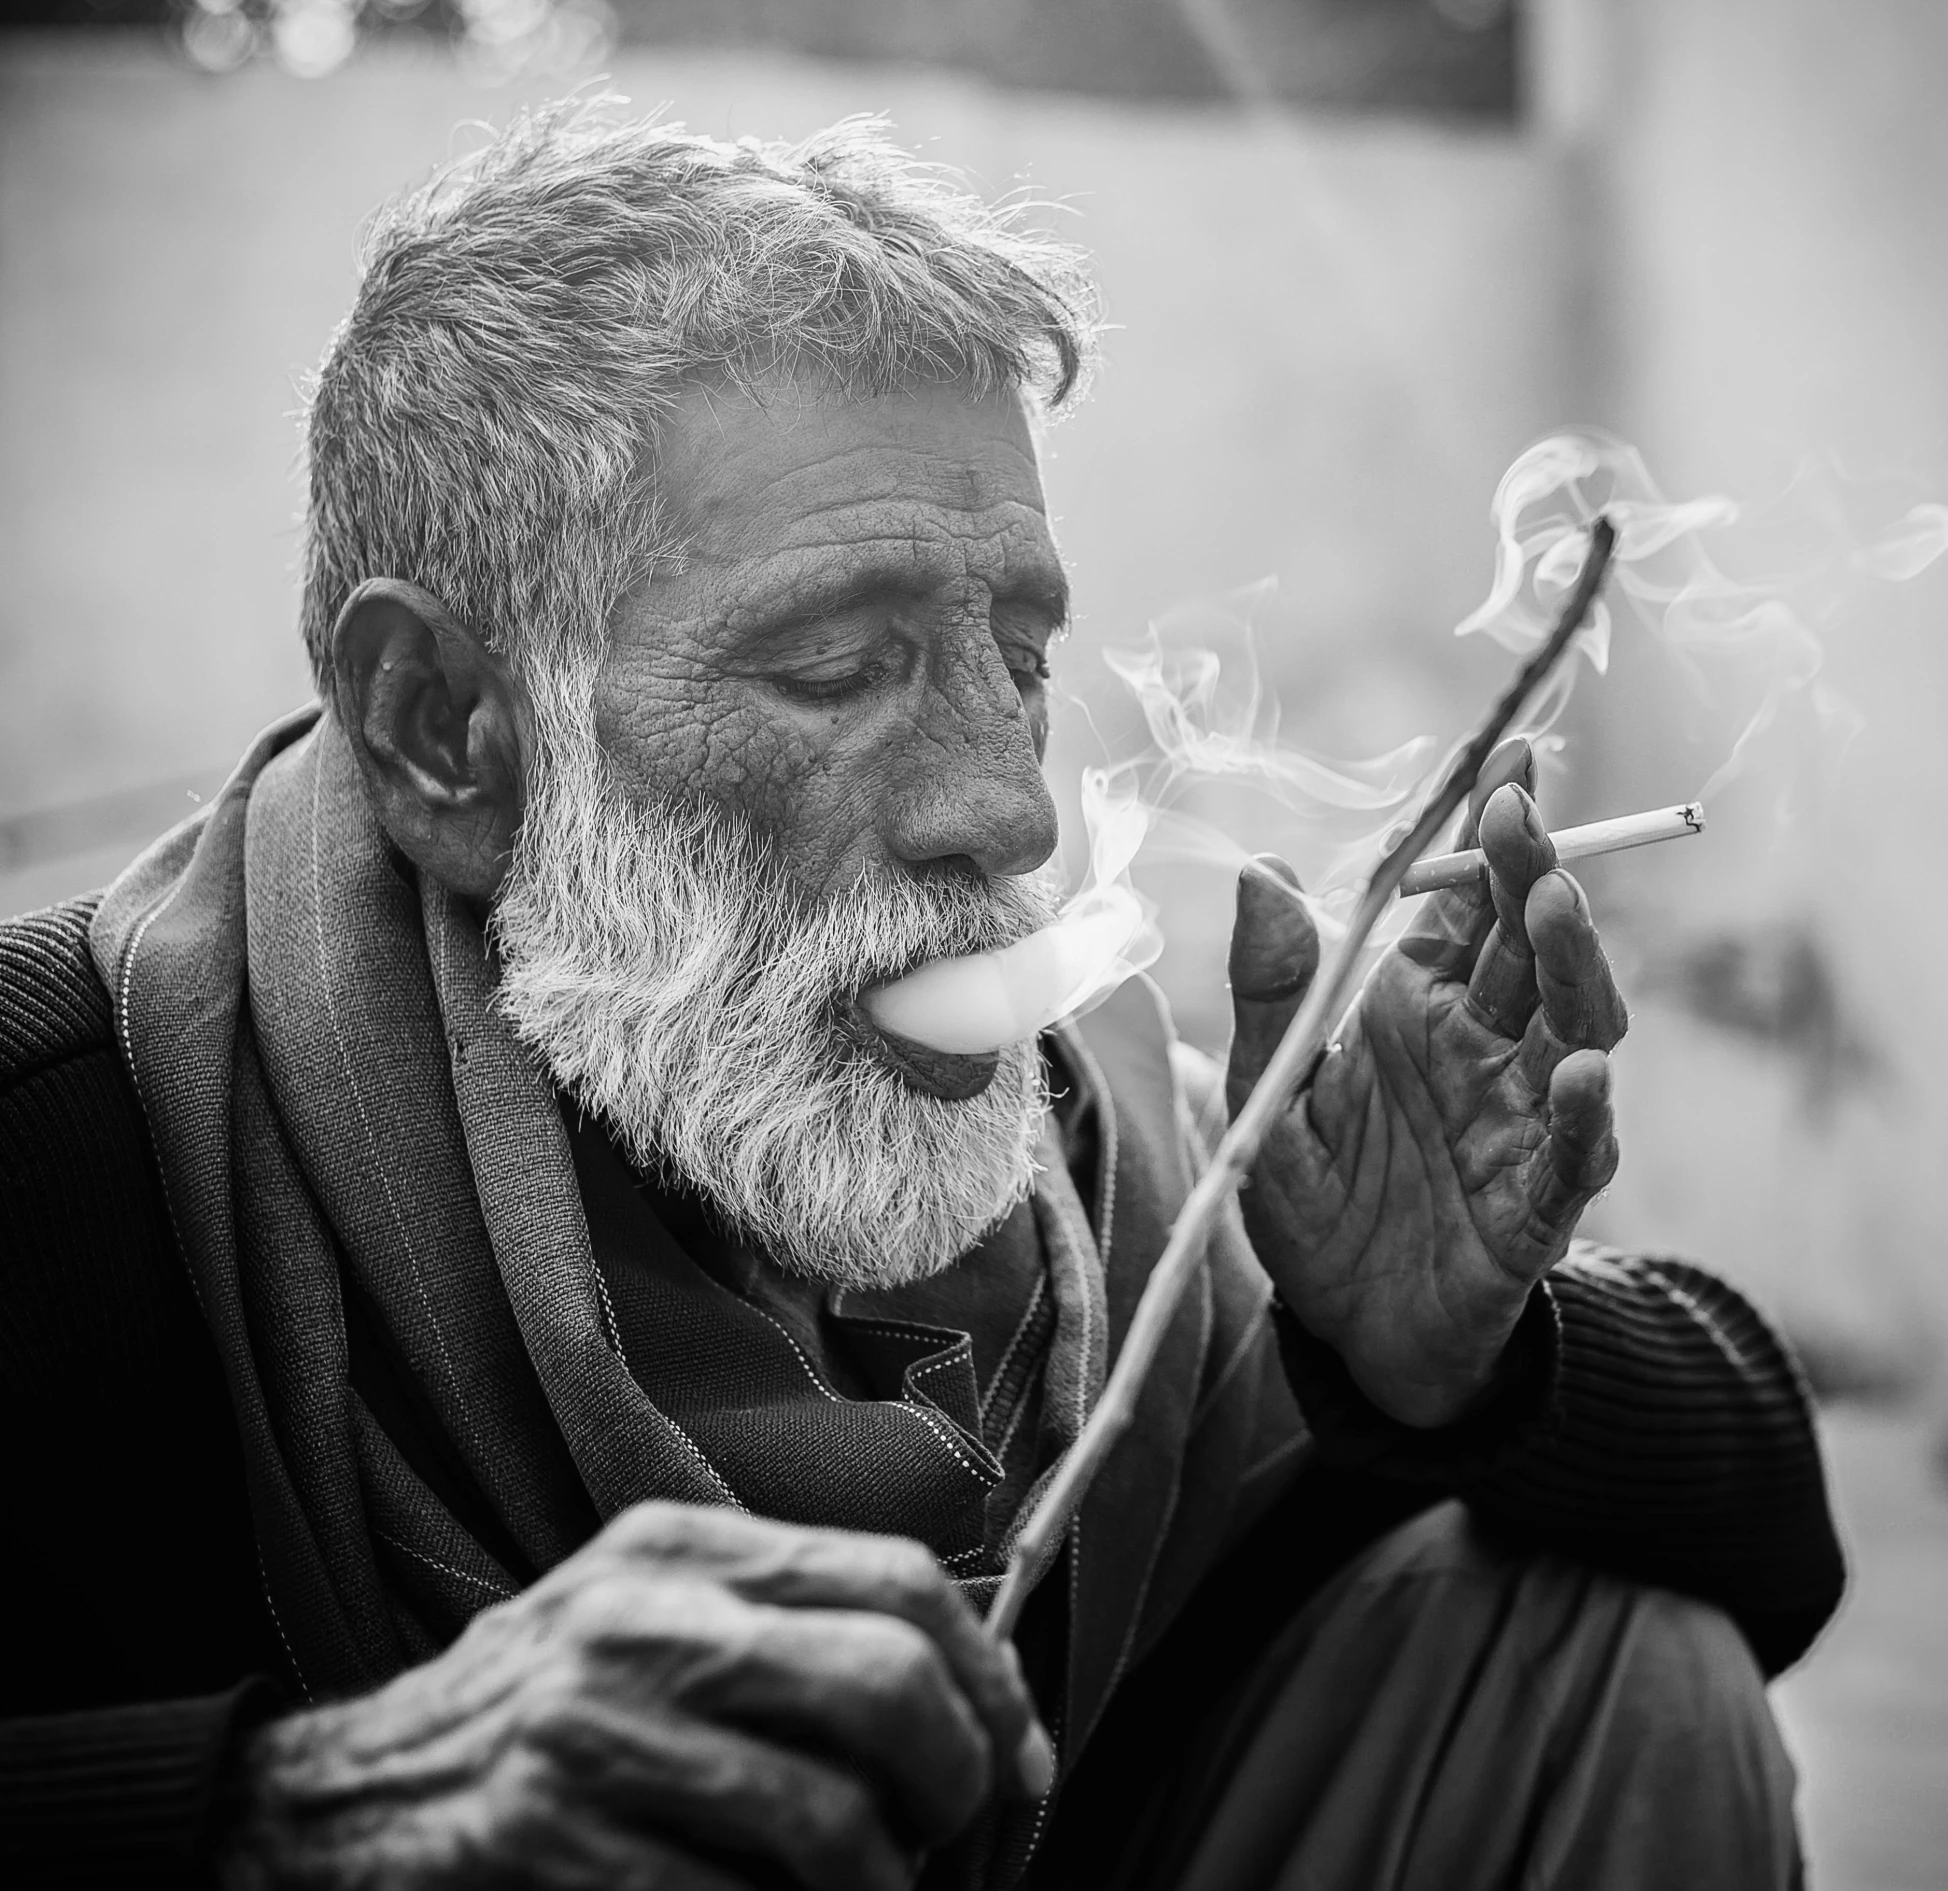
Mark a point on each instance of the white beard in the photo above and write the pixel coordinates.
(657, 958)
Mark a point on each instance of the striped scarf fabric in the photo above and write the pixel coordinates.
(361, 1164)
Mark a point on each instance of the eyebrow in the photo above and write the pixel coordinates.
(806, 607)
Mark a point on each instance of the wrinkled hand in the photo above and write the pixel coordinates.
(697, 1700)
(1435, 1165)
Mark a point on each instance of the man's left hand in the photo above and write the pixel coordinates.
(1437, 1161)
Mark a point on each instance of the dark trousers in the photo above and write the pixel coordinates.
(1447, 1713)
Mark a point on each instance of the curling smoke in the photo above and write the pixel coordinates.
(1213, 721)
(1750, 642)
(1747, 645)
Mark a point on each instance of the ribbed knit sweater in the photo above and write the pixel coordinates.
(1649, 1422)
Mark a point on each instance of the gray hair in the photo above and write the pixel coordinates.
(483, 424)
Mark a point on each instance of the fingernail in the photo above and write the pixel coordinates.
(1563, 885)
(1268, 884)
(1035, 1761)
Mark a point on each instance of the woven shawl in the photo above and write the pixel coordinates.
(338, 1110)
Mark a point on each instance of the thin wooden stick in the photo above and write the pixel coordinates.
(1238, 1149)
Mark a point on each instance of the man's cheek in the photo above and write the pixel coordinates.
(819, 787)
(689, 741)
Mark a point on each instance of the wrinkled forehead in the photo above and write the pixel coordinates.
(778, 473)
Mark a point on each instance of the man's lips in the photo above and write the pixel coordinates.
(952, 1075)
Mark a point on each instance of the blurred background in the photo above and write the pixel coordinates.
(1358, 254)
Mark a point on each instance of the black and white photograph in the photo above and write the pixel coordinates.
(973, 945)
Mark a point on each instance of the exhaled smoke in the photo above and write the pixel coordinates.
(659, 962)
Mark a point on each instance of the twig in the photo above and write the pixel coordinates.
(1238, 1149)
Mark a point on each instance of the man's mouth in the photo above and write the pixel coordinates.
(954, 1076)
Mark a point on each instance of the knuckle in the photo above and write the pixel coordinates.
(595, 1607)
(554, 1709)
(687, 1532)
(908, 1666)
(646, 1527)
(912, 1574)
(837, 1827)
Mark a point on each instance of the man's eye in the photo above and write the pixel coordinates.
(833, 689)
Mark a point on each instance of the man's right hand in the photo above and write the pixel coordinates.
(694, 1695)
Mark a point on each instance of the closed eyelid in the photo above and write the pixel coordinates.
(1048, 599)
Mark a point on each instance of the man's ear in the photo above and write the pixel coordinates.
(440, 728)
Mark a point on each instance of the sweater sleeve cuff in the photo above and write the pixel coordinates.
(1353, 1432)
(123, 1795)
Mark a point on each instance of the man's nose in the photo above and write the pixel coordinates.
(971, 785)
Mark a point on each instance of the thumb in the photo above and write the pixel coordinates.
(1274, 953)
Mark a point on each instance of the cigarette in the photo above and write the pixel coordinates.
(1573, 843)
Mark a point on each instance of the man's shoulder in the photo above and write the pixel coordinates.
(75, 1155)
(115, 1425)
(53, 1005)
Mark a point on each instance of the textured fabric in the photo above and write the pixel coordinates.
(123, 1797)
(52, 1006)
(1451, 1714)
(358, 1154)
(910, 1431)
(224, 1029)
(1721, 1492)
(331, 1090)
(128, 1571)
(120, 1439)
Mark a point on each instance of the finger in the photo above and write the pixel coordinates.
(901, 1578)
(532, 1843)
(1579, 994)
(1447, 931)
(1513, 762)
(871, 1688)
(1579, 1157)
(721, 1791)
(1274, 954)
(791, 1566)
(1502, 989)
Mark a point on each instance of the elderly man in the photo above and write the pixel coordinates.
(513, 1379)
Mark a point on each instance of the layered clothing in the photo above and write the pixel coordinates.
(307, 1262)
(369, 1175)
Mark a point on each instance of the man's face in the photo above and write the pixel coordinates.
(810, 762)
(852, 657)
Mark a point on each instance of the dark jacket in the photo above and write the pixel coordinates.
(1659, 1430)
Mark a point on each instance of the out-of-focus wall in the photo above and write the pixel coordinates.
(1766, 188)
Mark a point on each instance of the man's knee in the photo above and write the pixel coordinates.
(1637, 1716)
(1599, 1643)
(1665, 1750)
(1684, 1666)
